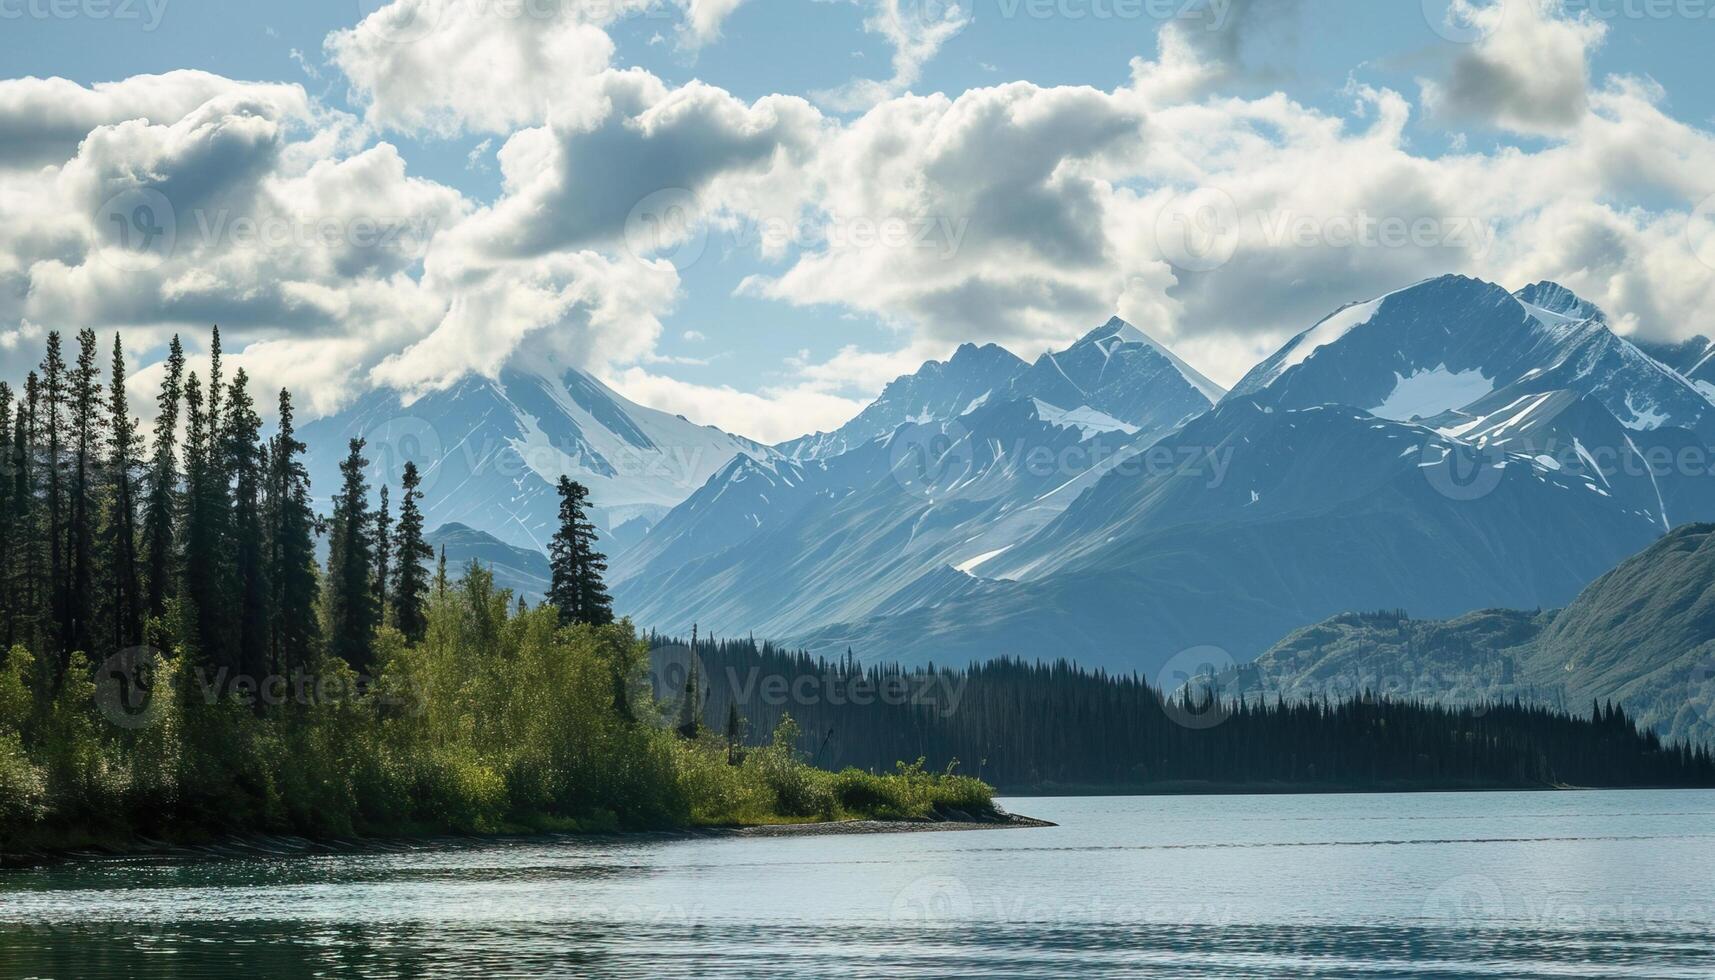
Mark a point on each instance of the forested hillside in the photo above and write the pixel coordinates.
(176, 664)
(1055, 725)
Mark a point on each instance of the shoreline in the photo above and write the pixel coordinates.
(258, 846)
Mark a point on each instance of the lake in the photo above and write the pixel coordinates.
(1599, 884)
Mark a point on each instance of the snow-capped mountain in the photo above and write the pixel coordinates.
(938, 390)
(1281, 518)
(947, 469)
(491, 450)
(782, 546)
(1116, 370)
(1445, 343)
(1448, 446)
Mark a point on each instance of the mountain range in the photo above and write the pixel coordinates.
(1447, 447)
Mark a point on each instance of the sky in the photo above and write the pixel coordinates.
(757, 212)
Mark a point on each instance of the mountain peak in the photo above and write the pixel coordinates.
(1557, 299)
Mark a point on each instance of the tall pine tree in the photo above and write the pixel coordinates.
(291, 573)
(411, 554)
(576, 588)
(125, 587)
(352, 614)
(52, 436)
(383, 554)
(85, 407)
(161, 507)
(244, 460)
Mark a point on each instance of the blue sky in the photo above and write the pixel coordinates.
(1283, 95)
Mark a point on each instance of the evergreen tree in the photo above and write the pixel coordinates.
(24, 580)
(85, 405)
(123, 447)
(207, 572)
(8, 592)
(352, 614)
(51, 434)
(734, 734)
(441, 574)
(383, 554)
(161, 507)
(291, 526)
(410, 590)
(576, 588)
(244, 460)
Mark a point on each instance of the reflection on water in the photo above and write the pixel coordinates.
(1435, 885)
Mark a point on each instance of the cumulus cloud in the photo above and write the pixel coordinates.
(43, 119)
(703, 20)
(634, 143)
(1529, 70)
(1016, 213)
(450, 66)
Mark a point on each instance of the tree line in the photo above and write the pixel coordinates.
(202, 540)
(1022, 726)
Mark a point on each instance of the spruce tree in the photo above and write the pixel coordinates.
(123, 445)
(27, 551)
(8, 593)
(410, 590)
(161, 507)
(383, 554)
(244, 460)
(85, 405)
(291, 524)
(351, 566)
(51, 424)
(576, 588)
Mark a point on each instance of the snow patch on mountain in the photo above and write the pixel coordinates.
(1432, 392)
(1084, 418)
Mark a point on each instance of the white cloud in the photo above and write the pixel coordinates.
(1529, 70)
(450, 66)
(703, 20)
(1015, 213)
(770, 415)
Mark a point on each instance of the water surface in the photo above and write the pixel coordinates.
(1616, 884)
